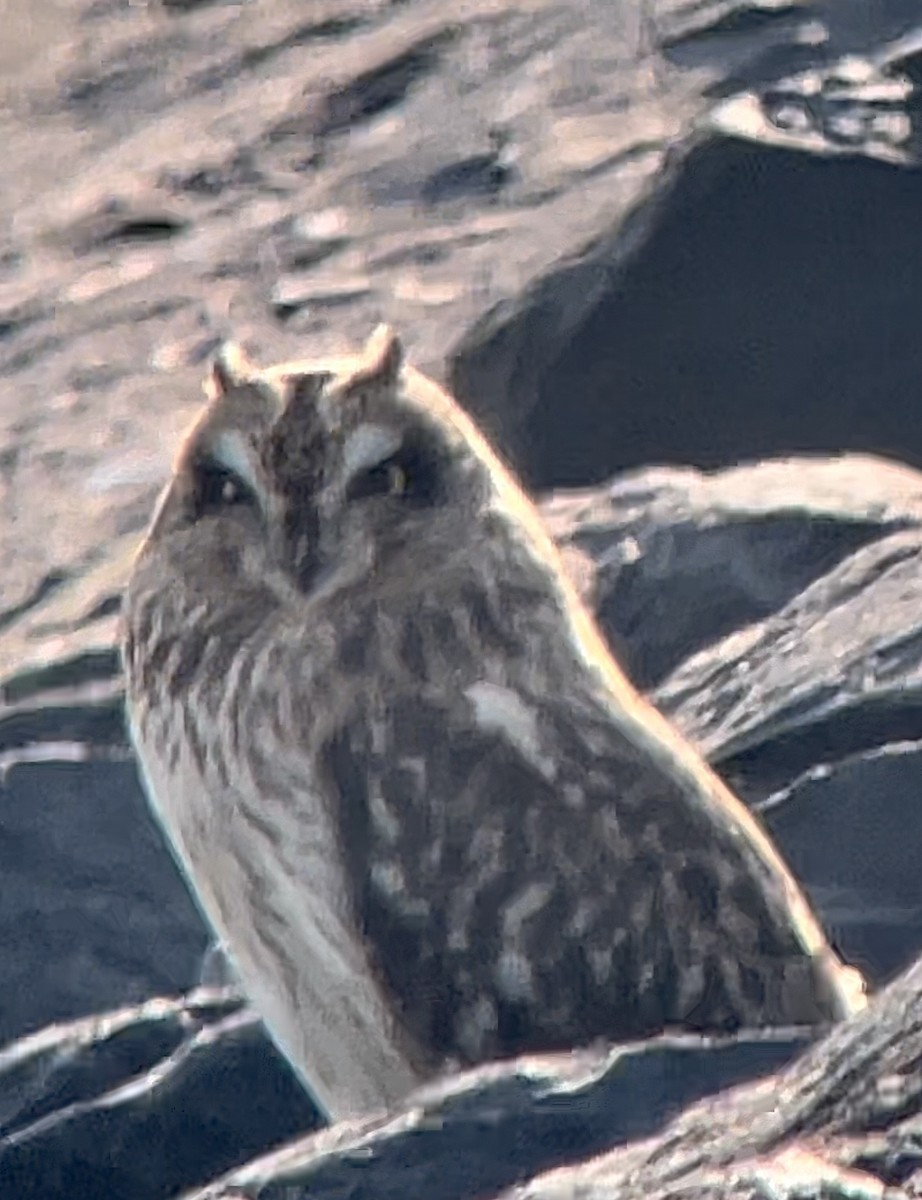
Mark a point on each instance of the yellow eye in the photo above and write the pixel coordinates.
(230, 491)
(385, 479)
(396, 480)
(217, 488)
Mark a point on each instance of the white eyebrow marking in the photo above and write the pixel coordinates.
(231, 450)
(367, 446)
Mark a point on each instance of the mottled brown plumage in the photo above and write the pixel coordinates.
(416, 798)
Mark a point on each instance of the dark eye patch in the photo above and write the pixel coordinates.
(414, 474)
(216, 488)
(379, 480)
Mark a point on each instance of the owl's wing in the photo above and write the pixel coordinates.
(526, 885)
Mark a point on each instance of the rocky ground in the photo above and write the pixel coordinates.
(645, 243)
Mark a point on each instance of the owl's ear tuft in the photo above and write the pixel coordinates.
(383, 354)
(230, 369)
(380, 361)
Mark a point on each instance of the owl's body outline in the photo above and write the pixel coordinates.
(416, 797)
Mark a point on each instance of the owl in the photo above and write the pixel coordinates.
(414, 795)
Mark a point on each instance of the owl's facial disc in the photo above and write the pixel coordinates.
(348, 440)
(319, 471)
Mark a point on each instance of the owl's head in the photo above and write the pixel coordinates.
(315, 475)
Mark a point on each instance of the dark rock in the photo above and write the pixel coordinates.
(142, 1103)
(850, 827)
(88, 1109)
(842, 1120)
(680, 559)
(637, 364)
(629, 329)
(92, 909)
(834, 671)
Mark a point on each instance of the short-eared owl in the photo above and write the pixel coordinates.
(417, 799)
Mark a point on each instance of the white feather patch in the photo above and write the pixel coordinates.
(367, 446)
(232, 450)
(500, 710)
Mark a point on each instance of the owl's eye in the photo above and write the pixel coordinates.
(412, 474)
(384, 479)
(218, 488)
